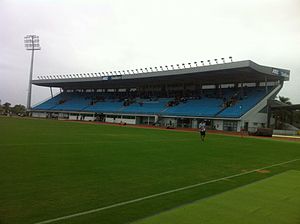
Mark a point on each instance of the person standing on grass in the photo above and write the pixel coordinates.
(202, 129)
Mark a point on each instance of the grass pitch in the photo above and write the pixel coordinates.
(273, 200)
(53, 169)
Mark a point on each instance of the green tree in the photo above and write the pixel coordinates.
(285, 100)
(6, 107)
(18, 109)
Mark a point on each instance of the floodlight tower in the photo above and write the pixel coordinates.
(32, 44)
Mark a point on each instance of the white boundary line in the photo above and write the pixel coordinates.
(159, 194)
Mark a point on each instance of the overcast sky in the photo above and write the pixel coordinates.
(80, 36)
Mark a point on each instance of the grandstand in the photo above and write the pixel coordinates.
(230, 96)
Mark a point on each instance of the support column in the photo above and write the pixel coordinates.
(51, 92)
(266, 84)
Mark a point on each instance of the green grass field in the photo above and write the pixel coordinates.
(273, 200)
(51, 169)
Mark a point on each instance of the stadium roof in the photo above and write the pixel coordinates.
(241, 71)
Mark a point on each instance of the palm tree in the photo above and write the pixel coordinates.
(285, 100)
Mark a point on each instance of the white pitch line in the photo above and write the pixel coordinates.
(159, 194)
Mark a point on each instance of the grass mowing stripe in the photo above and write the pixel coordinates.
(161, 194)
(88, 142)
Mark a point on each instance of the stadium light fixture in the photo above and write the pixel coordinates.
(202, 62)
(223, 59)
(216, 60)
(230, 57)
(209, 62)
(32, 43)
(183, 65)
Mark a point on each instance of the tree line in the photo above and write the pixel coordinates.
(7, 109)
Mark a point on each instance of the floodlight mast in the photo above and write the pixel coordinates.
(31, 44)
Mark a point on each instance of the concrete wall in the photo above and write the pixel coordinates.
(284, 132)
(39, 114)
(73, 117)
(166, 121)
(120, 120)
(218, 124)
(89, 118)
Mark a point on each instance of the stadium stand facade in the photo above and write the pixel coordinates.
(230, 96)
